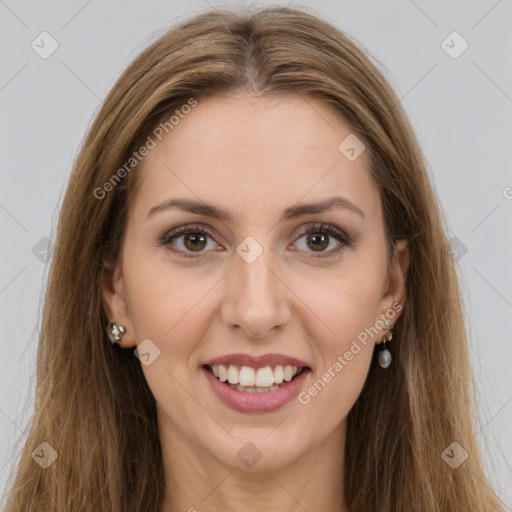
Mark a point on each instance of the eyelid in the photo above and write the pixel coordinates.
(179, 231)
(312, 227)
(187, 228)
(332, 231)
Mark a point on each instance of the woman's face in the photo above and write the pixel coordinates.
(248, 281)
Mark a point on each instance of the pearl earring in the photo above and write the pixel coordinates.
(385, 354)
(116, 331)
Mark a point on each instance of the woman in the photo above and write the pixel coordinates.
(251, 304)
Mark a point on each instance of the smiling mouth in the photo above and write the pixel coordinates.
(255, 380)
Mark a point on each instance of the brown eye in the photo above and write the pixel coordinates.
(318, 241)
(192, 239)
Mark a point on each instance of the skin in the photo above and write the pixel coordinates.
(289, 300)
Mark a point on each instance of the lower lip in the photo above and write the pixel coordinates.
(257, 402)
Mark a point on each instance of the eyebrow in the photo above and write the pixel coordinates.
(210, 210)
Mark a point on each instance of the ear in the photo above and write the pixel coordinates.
(115, 302)
(395, 290)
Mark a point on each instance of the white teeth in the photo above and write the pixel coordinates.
(233, 375)
(252, 389)
(258, 378)
(264, 377)
(278, 374)
(221, 370)
(247, 376)
(289, 372)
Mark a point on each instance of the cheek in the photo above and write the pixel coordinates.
(163, 301)
(341, 305)
(339, 315)
(168, 307)
(341, 332)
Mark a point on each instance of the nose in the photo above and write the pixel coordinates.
(257, 300)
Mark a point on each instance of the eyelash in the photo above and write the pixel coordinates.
(201, 229)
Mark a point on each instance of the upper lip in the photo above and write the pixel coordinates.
(257, 361)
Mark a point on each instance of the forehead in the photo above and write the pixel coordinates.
(250, 154)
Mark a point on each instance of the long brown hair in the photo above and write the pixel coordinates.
(93, 405)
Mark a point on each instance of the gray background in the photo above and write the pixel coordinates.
(461, 109)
